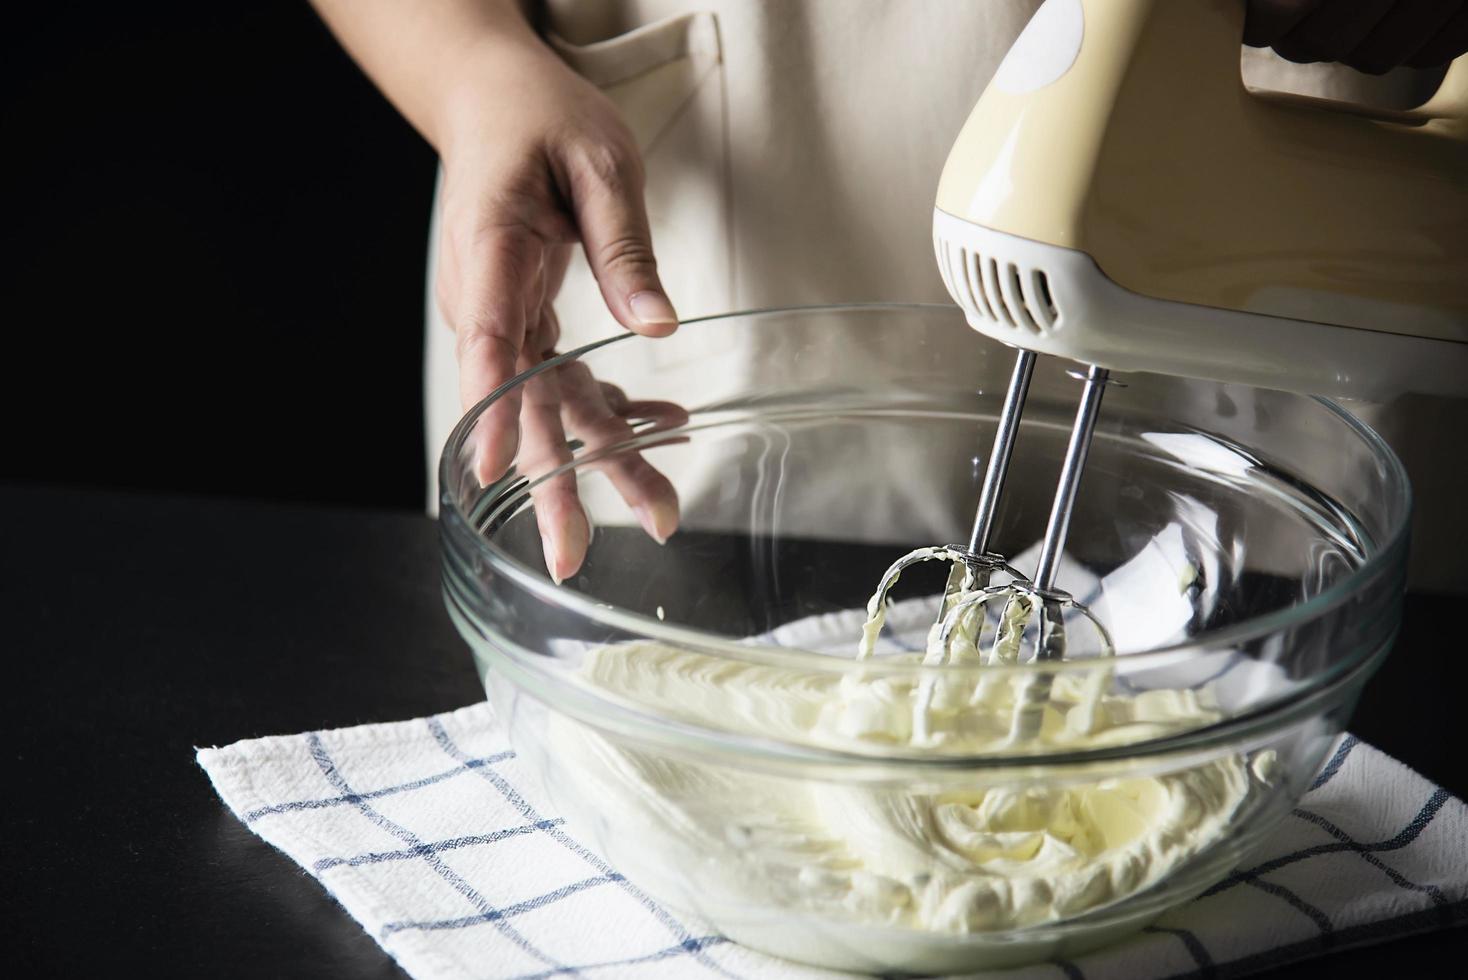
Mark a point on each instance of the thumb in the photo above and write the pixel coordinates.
(607, 199)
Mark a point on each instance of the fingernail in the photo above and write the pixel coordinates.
(658, 520)
(550, 557)
(651, 306)
(476, 466)
(493, 456)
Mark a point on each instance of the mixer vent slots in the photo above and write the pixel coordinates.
(1003, 292)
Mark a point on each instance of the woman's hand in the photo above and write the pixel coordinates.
(535, 160)
(1373, 36)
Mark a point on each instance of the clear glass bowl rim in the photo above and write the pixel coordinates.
(461, 529)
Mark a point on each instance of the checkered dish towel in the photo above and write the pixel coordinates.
(433, 836)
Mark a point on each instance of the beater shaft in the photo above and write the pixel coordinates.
(1071, 470)
(999, 456)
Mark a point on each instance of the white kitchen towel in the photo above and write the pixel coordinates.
(432, 835)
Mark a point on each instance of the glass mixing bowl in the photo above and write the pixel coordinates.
(696, 710)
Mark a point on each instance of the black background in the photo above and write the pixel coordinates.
(214, 242)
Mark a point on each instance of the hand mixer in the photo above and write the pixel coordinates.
(1119, 199)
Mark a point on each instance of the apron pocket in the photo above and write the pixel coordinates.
(650, 73)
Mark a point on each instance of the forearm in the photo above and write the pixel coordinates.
(414, 52)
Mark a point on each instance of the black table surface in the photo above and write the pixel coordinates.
(141, 626)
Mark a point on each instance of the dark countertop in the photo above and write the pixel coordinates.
(141, 626)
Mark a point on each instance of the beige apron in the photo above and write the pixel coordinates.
(792, 150)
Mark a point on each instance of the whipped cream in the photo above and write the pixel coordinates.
(963, 853)
(948, 861)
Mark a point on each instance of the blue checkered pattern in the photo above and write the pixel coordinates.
(429, 835)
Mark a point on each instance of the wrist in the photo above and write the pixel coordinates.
(482, 72)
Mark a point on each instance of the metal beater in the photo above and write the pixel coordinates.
(970, 590)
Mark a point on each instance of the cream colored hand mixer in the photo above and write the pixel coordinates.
(1119, 199)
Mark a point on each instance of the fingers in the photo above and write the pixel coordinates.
(1372, 36)
(1267, 21)
(557, 261)
(615, 397)
(605, 186)
(1449, 42)
(662, 415)
(565, 533)
(541, 344)
(489, 320)
(591, 418)
(1332, 31)
(1405, 29)
(659, 415)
